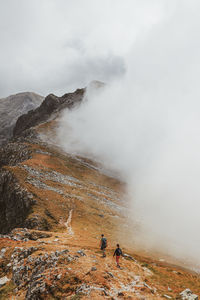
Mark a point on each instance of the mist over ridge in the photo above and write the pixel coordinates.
(146, 126)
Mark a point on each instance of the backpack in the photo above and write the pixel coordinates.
(118, 252)
(104, 242)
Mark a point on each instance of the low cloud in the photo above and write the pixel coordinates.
(146, 125)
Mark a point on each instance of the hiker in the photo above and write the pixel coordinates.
(117, 253)
(103, 245)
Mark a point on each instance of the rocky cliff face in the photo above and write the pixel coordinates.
(11, 108)
(51, 105)
(15, 202)
(13, 153)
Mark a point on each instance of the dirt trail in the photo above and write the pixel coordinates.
(68, 223)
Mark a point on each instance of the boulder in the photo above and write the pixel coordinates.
(3, 280)
(188, 295)
(81, 253)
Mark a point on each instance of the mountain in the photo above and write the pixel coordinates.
(51, 105)
(54, 206)
(12, 107)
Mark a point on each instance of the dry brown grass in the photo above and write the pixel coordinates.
(89, 219)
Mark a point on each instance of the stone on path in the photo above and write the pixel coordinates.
(188, 295)
(3, 280)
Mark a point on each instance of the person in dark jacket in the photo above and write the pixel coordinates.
(103, 245)
(117, 253)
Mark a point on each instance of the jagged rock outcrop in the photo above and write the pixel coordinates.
(49, 106)
(15, 202)
(13, 153)
(23, 234)
(12, 107)
(30, 271)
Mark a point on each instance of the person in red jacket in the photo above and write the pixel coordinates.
(117, 253)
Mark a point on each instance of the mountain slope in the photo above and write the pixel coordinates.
(69, 204)
(12, 107)
(64, 203)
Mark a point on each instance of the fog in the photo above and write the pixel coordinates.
(53, 46)
(146, 126)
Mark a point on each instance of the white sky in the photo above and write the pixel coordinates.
(59, 45)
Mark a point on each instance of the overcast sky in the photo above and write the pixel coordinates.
(59, 45)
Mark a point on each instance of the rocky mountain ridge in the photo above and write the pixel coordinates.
(51, 104)
(12, 107)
